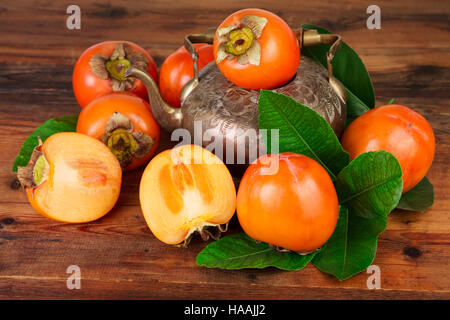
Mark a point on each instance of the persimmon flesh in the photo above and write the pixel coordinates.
(184, 190)
(289, 201)
(78, 179)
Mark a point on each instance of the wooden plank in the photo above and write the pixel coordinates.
(408, 60)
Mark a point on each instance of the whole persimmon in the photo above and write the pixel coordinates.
(185, 190)
(124, 123)
(178, 69)
(256, 49)
(72, 178)
(288, 200)
(99, 70)
(396, 129)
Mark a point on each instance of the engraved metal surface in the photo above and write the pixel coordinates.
(227, 110)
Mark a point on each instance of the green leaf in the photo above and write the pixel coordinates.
(352, 246)
(369, 188)
(239, 251)
(301, 130)
(419, 198)
(355, 107)
(391, 101)
(48, 128)
(371, 185)
(350, 70)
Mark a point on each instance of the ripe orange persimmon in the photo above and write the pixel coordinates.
(72, 178)
(178, 69)
(184, 190)
(294, 207)
(256, 49)
(125, 124)
(99, 70)
(396, 129)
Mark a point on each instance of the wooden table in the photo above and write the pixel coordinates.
(408, 59)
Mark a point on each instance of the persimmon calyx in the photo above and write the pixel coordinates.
(280, 249)
(240, 40)
(206, 231)
(36, 171)
(113, 68)
(123, 142)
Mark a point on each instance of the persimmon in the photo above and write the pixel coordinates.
(72, 178)
(185, 190)
(178, 69)
(287, 200)
(125, 124)
(256, 49)
(99, 70)
(396, 129)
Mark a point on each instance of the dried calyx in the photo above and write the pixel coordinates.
(123, 142)
(240, 40)
(207, 231)
(113, 68)
(280, 249)
(36, 171)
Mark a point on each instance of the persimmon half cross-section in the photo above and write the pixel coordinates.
(184, 190)
(72, 178)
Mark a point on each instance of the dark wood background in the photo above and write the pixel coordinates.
(408, 59)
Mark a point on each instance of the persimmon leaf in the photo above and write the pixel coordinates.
(369, 188)
(419, 198)
(48, 128)
(352, 246)
(301, 130)
(239, 251)
(350, 70)
(371, 185)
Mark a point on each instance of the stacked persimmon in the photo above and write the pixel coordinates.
(287, 200)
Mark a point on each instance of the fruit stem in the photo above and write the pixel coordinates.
(240, 41)
(117, 68)
(122, 145)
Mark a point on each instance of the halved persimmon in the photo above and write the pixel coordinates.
(185, 190)
(72, 178)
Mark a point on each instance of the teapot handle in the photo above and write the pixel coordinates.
(189, 40)
(311, 38)
(306, 38)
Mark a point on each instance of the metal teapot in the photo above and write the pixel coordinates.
(225, 110)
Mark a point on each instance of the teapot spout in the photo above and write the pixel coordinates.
(168, 117)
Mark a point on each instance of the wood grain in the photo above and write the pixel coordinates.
(408, 59)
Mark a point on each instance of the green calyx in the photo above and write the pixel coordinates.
(40, 170)
(123, 145)
(123, 142)
(117, 68)
(240, 41)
